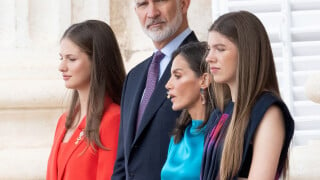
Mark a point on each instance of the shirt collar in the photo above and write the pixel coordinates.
(175, 43)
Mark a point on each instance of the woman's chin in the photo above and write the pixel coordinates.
(176, 108)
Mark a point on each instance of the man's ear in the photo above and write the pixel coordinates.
(184, 5)
(205, 80)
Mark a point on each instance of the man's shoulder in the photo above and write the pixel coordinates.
(190, 38)
(140, 66)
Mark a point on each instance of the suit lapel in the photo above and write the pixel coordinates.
(74, 142)
(140, 81)
(158, 96)
(190, 38)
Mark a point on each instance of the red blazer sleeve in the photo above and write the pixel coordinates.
(109, 132)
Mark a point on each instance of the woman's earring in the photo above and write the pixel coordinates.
(202, 97)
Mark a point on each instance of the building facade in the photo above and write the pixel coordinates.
(32, 92)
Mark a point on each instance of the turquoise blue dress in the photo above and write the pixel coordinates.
(184, 159)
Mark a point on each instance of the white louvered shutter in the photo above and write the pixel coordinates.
(294, 31)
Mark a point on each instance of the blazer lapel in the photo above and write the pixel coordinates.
(158, 97)
(55, 149)
(140, 80)
(190, 38)
(74, 142)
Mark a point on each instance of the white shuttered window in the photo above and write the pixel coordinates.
(294, 31)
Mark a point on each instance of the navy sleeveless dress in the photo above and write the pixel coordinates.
(217, 128)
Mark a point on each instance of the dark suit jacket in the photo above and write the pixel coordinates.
(142, 154)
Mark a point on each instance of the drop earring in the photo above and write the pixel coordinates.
(168, 95)
(202, 97)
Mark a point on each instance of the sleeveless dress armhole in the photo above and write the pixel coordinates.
(263, 103)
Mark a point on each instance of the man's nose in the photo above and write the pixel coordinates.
(153, 11)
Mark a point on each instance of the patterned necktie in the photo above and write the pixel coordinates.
(152, 78)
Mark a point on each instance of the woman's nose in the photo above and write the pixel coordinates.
(168, 85)
(62, 66)
(210, 57)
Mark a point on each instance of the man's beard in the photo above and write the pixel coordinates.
(157, 34)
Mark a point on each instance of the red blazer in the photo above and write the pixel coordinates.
(90, 164)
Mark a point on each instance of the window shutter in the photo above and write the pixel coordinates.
(294, 33)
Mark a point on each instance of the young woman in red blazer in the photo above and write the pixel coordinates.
(86, 137)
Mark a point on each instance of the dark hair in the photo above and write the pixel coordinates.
(256, 74)
(98, 41)
(194, 54)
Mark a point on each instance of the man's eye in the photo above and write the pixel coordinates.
(141, 4)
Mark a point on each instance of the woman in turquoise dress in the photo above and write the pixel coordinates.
(188, 90)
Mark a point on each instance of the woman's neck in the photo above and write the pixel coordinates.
(198, 112)
(233, 91)
(83, 99)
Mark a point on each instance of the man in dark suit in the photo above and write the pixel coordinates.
(146, 124)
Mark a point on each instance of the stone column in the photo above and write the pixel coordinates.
(7, 21)
(31, 94)
(94, 9)
(22, 24)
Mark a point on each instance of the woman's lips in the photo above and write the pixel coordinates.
(214, 69)
(66, 77)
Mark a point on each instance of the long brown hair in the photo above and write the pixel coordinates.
(256, 73)
(98, 41)
(194, 54)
